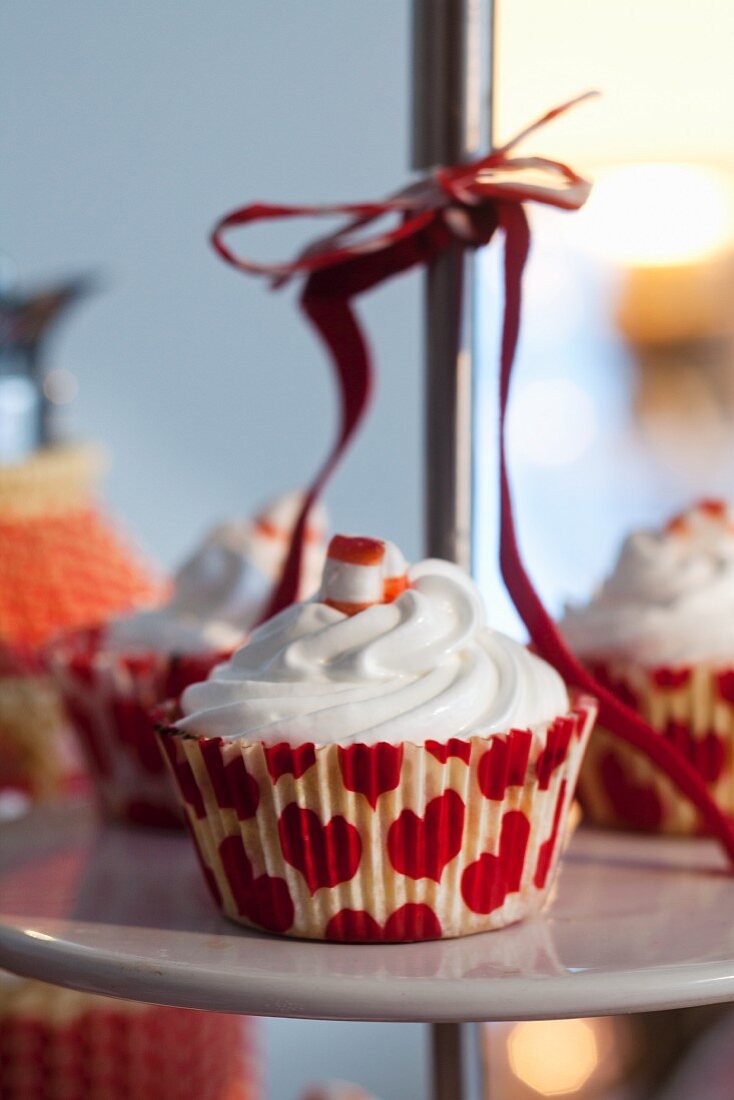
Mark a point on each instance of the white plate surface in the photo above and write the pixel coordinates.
(637, 924)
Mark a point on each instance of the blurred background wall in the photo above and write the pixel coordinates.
(125, 131)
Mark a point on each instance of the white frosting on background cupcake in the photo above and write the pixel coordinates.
(421, 666)
(670, 597)
(222, 590)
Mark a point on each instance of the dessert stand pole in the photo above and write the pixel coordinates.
(452, 115)
(452, 63)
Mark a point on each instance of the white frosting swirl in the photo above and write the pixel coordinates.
(423, 667)
(670, 598)
(222, 590)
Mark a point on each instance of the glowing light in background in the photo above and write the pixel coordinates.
(553, 1057)
(553, 422)
(650, 215)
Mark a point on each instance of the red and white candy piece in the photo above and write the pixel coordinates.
(278, 518)
(360, 572)
(709, 511)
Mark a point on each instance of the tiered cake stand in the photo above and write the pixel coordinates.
(637, 924)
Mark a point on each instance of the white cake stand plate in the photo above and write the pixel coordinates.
(637, 924)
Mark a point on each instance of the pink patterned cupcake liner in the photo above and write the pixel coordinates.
(383, 842)
(693, 708)
(108, 697)
(57, 1044)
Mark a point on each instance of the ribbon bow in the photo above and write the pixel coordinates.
(466, 203)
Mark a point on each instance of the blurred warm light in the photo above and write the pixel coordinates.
(553, 422)
(663, 67)
(60, 386)
(553, 1057)
(659, 215)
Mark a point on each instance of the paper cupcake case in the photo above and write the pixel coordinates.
(381, 842)
(57, 1044)
(691, 706)
(109, 697)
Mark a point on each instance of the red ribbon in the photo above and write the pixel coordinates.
(465, 203)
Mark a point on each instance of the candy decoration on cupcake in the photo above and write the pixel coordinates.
(360, 572)
(465, 203)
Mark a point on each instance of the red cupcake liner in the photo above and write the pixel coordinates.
(690, 705)
(57, 1044)
(382, 842)
(108, 697)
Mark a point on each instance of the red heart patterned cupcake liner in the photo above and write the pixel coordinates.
(691, 706)
(57, 1044)
(108, 696)
(382, 842)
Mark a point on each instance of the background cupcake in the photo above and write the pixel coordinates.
(376, 764)
(62, 566)
(660, 634)
(58, 1044)
(112, 676)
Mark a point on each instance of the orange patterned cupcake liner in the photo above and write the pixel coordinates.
(109, 697)
(383, 842)
(693, 708)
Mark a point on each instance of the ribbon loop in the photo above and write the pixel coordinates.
(465, 203)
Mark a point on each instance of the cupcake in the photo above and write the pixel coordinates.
(376, 764)
(57, 1044)
(62, 566)
(111, 677)
(38, 757)
(659, 633)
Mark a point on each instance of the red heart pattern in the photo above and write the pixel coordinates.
(265, 901)
(234, 788)
(707, 753)
(555, 752)
(447, 750)
(186, 781)
(669, 679)
(407, 924)
(548, 847)
(420, 847)
(692, 707)
(324, 854)
(445, 873)
(725, 686)
(505, 763)
(135, 729)
(619, 687)
(186, 669)
(109, 697)
(486, 883)
(289, 760)
(636, 804)
(371, 770)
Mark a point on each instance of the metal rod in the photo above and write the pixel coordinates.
(452, 103)
(459, 1062)
(447, 1062)
(452, 111)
